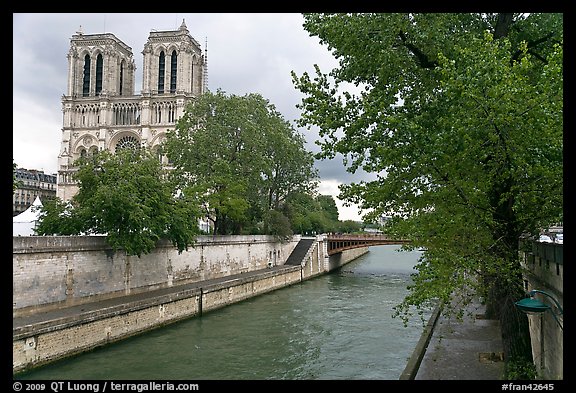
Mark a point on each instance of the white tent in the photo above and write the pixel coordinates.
(24, 223)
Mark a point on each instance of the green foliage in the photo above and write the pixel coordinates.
(15, 183)
(127, 197)
(520, 370)
(57, 218)
(278, 225)
(328, 206)
(460, 117)
(310, 215)
(349, 226)
(242, 159)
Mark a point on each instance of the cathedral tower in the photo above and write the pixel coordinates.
(101, 110)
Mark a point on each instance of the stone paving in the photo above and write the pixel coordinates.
(470, 349)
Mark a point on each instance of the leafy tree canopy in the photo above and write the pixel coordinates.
(460, 116)
(127, 197)
(242, 158)
(312, 214)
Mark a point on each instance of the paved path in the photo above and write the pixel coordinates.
(470, 349)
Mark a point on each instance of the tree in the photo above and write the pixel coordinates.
(312, 214)
(242, 158)
(460, 116)
(328, 206)
(349, 226)
(127, 197)
(297, 209)
(15, 183)
(278, 225)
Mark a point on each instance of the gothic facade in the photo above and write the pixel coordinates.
(101, 110)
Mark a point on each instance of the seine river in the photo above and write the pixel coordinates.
(338, 326)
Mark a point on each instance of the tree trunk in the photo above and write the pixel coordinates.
(513, 323)
(503, 24)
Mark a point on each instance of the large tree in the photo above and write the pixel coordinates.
(460, 117)
(127, 197)
(242, 158)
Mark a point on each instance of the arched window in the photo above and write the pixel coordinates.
(127, 142)
(173, 69)
(161, 70)
(99, 72)
(86, 79)
(121, 77)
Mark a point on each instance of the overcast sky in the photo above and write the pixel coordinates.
(247, 53)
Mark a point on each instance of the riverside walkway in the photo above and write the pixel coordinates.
(449, 349)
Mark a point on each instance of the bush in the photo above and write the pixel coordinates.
(520, 370)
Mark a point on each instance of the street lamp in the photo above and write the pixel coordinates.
(531, 305)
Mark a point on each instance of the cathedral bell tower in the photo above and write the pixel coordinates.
(101, 110)
(173, 63)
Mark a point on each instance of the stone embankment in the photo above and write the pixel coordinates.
(49, 331)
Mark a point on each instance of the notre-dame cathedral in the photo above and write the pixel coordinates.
(100, 108)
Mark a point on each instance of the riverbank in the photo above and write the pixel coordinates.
(337, 326)
(57, 332)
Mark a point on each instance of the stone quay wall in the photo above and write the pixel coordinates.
(543, 265)
(34, 346)
(56, 271)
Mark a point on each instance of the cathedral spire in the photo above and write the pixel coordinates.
(183, 25)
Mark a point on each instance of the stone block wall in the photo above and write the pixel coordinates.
(33, 349)
(340, 259)
(56, 271)
(543, 265)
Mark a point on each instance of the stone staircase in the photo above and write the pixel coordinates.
(300, 251)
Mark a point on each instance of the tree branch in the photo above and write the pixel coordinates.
(532, 45)
(423, 60)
